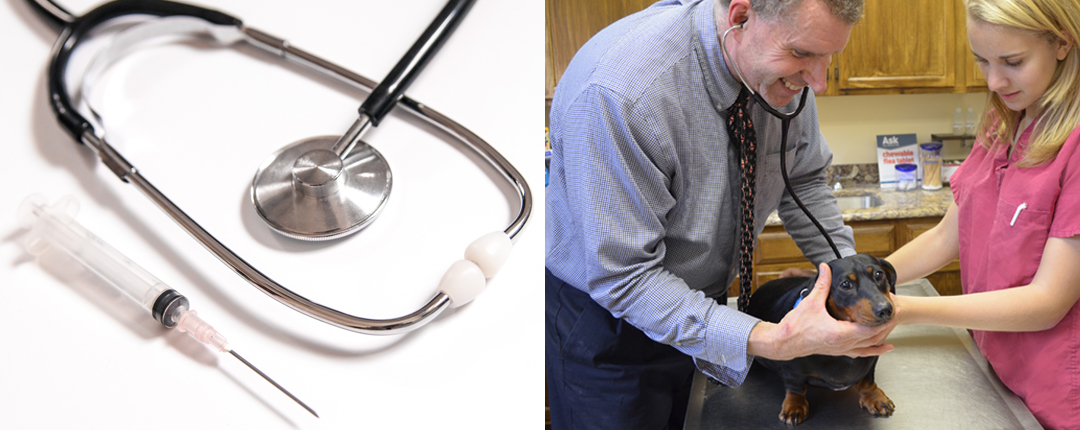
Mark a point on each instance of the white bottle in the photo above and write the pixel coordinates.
(958, 122)
(969, 126)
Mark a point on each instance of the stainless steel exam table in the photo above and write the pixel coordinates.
(936, 376)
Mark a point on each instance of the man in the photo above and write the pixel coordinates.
(644, 201)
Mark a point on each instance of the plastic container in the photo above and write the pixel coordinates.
(905, 177)
(930, 153)
(958, 122)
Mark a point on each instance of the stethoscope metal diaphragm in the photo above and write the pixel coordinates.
(306, 191)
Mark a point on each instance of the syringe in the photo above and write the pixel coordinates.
(54, 225)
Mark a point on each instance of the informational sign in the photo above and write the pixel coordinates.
(893, 149)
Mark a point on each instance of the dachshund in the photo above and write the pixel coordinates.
(860, 284)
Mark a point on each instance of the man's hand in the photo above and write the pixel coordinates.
(809, 329)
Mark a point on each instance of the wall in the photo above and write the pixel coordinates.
(852, 123)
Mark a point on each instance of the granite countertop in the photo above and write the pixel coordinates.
(895, 204)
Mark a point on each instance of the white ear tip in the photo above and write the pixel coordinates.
(463, 281)
(490, 252)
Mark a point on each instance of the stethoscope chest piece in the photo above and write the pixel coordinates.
(306, 191)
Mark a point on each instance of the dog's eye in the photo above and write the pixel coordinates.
(879, 275)
(845, 285)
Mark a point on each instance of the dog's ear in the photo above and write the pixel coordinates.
(890, 272)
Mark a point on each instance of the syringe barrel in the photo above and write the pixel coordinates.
(54, 225)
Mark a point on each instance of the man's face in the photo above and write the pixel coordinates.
(779, 57)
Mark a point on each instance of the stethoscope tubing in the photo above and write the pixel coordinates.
(785, 124)
(83, 132)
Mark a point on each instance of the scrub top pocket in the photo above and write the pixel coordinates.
(1018, 237)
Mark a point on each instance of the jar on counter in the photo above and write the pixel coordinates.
(931, 162)
(905, 177)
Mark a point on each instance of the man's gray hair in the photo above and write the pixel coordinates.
(848, 11)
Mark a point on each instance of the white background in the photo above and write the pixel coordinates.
(197, 120)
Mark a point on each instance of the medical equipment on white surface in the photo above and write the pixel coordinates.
(315, 189)
(54, 226)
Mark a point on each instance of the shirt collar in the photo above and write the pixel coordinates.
(723, 88)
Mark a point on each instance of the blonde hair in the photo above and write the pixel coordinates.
(1050, 20)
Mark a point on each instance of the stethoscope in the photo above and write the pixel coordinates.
(785, 123)
(319, 188)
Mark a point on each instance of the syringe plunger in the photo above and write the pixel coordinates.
(54, 225)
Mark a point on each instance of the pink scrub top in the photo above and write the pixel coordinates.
(1006, 215)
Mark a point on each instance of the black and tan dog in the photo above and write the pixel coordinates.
(859, 293)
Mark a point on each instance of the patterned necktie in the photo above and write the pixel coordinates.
(741, 132)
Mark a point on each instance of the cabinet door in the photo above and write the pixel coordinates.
(549, 67)
(901, 44)
(947, 279)
(973, 77)
(768, 272)
(571, 23)
(877, 238)
(912, 228)
(775, 246)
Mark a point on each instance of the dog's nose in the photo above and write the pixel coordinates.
(884, 313)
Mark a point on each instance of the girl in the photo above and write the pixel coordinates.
(1015, 221)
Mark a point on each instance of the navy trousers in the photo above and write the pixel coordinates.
(603, 373)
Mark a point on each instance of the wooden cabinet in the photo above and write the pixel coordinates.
(549, 65)
(914, 46)
(973, 77)
(898, 47)
(947, 279)
(904, 44)
(776, 251)
(571, 23)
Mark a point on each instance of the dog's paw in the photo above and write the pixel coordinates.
(795, 409)
(874, 401)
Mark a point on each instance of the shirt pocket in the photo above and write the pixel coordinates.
(1017, 241)
(770, 183)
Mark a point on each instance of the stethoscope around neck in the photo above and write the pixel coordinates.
(319, 188)
(785, 124)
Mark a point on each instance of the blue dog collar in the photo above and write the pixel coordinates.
(802, 295)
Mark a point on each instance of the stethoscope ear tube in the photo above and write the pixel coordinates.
(73, 122)
(55, 15)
